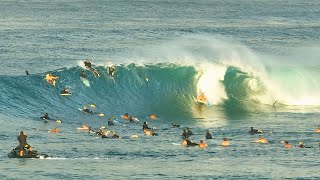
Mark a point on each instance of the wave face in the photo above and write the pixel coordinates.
(165, 89)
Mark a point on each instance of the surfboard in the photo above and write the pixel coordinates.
(201, 102)
(65, 94)
(85, 81)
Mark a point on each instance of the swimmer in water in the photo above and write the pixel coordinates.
(202, 144)
(153, 116)
(55, 130)
(174, 125)
(261, 140)
(287, 145)
(225, 142)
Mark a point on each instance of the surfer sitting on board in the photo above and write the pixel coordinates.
(65, 91)
(46, 116)
(51, 79)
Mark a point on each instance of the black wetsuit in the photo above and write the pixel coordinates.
(87, 64)
(46, 116)
(110, 122)
(145, 126)
(189, 143)
(27, 72)
(175, 125)
(88, 111)
(254, 131)
(22, 141)
(208, 135)
(65, 91)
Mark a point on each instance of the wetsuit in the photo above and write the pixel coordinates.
(145, 126)
(87, 64)
(27, 72)
(46, 116)
(88, 111)
(110, 122)
(254, 131)
(65, 91)
(208, 135)
(189, 143)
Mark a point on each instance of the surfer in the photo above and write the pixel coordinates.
(317, 130)
(145, 125)
(27, 72)
(261, 140)
(202, 98)
(45, 117)
(174, 125)
(22, 138)
(208, 135)
(86, 110)
(51, 79)
(225, 142)
(110, 122)
(125, 116)
(55, 130)
(111, 70)
(187, 142)
(95, 72)
(186, 133)
(87, 64)
(153, 116)
(301, 145)
(65, 91)
(255, 131)
(287, 145)
(202, 144)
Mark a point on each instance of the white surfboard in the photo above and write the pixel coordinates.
(85, 81)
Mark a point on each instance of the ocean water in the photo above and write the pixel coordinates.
(256, 61)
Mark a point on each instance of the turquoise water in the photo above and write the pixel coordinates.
(256, 61)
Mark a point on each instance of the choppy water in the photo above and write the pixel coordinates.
(257, 62)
